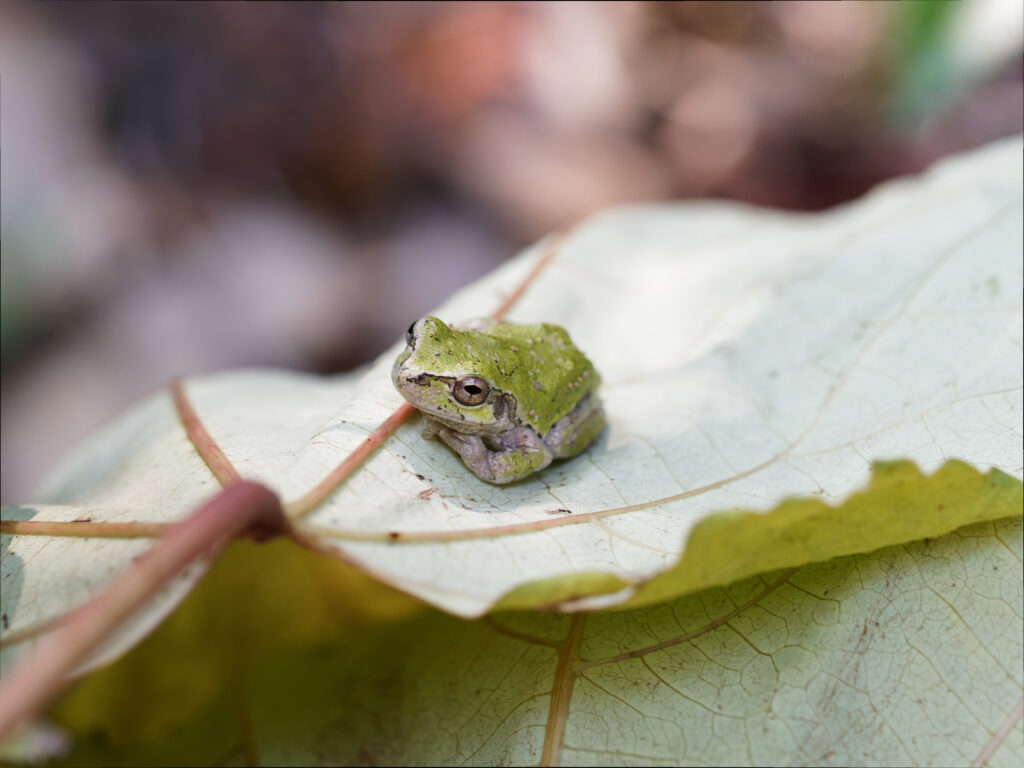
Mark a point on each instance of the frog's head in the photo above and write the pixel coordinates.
(455, 376)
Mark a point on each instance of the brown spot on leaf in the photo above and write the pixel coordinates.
(427, 493)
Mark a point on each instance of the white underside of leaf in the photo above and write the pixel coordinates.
(747, 356)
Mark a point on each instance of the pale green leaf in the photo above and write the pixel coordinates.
(900, 505)
(748, 357)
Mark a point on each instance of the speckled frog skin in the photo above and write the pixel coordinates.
(507, 398)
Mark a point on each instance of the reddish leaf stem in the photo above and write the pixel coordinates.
(34, 682)
(551, 249)
(350, 464)
(84, 529)
(1004, 730)
(205, 445)
(561, 693)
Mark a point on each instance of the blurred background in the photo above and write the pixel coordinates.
(191, 187)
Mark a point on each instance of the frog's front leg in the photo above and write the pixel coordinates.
(497, 459)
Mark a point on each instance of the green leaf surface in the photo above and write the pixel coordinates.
(749, 357)
(908, 655)
(900, 505)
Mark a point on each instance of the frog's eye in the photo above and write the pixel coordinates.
(471, 390)
(408, 334)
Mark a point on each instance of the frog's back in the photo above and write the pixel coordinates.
(548, 372)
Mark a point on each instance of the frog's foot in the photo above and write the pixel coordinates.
(467, 446)
(501, 459)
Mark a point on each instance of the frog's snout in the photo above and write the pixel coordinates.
(396, 372)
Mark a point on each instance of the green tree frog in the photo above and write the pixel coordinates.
(507, 398)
